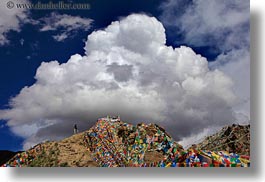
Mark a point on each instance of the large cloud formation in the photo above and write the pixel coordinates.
(223, 27)
(127, 70)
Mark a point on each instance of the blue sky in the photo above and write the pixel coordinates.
(220, 34)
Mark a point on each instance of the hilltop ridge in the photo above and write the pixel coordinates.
(114, 143)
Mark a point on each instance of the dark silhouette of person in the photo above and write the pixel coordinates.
(75, 129)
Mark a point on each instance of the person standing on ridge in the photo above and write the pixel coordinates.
(75, 129)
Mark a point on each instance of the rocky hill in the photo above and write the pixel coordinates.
(234, 139)
(65, 153)
(113, 143)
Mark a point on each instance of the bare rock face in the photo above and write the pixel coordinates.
(153, 156)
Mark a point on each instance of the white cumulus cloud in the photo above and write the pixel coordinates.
(127, 70)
